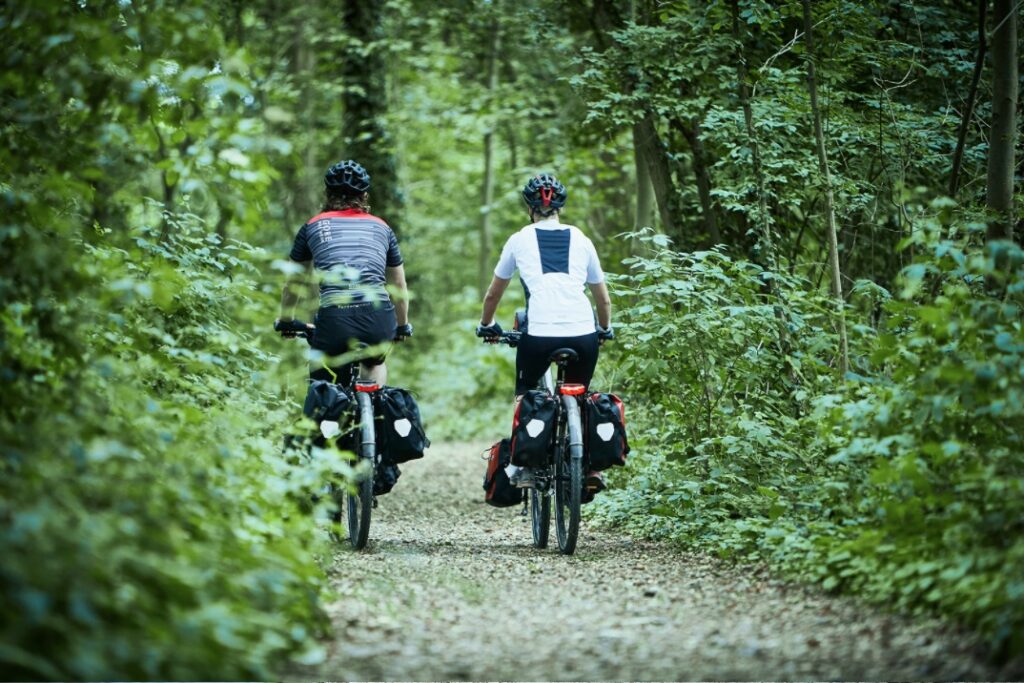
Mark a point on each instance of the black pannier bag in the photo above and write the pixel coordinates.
(325, 401)
(533, 428)
(605, 427)
(498, 489)
(400, 435)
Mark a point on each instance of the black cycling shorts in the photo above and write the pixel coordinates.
(533, 357)
(340, 329)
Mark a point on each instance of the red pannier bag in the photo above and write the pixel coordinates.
(498, 490)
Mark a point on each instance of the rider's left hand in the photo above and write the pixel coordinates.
(403, 332)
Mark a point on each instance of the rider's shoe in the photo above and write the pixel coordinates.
(522, 478)
(592, 485)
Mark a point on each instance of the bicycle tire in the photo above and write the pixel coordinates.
(569, 477)
(360, 503)
(540, 513)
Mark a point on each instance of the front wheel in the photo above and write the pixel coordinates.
(360, 503)
(569, 479)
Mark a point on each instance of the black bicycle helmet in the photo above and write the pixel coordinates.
(348, 177)
(544, 193)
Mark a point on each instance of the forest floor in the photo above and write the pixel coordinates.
(452, 589)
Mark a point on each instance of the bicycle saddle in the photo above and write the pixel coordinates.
(561, 356)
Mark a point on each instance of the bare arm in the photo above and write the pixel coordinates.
(396, 277)
(492, 298)
(604, 304)
(293, 285)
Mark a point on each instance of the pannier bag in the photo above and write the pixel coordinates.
(605, 431)
(385, 477)
(498, 489)
(532, 429)
(325, 401)
(400, 436)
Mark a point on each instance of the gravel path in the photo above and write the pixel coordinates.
(451, 589)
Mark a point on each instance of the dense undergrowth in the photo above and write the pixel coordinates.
(151, 525)
(902, 484)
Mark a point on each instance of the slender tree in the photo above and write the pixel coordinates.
(644, 190)
(691, 132)
(999, 198)
(972, 94)
(830, 211)
(484, 261)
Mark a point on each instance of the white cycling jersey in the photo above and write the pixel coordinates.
(555, 262)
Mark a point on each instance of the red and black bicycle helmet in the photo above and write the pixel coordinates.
(347, 177)
(544, 193)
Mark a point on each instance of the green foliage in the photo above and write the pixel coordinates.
(152, 531)
(152, 526)
(902, 485)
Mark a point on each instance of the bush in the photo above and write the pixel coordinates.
(902, 484)
(150, 520)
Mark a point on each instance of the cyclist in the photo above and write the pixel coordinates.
(555, 260)
(354, 253)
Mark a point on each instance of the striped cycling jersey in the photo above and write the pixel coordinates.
(350, 250)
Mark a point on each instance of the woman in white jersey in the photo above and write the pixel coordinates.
(556, 264)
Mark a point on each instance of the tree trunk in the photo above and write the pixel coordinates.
(365, 102)
(999, 198)
(644, 189)
(305, 65)
(833, 247)
(972, 94)
(702, 177)
(645, 133)
(764, 248)
(484, 260)
(605, 18)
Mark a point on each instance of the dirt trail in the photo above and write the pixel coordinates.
(451, 589)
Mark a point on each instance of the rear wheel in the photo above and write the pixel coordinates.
(540, 511)
(360, 502)
(569, 478)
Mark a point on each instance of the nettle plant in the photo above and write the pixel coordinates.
(154, 527)
(902, 482)
(930, 442)
(721, 375)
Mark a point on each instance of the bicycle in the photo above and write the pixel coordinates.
(357, 506)
(562, 475)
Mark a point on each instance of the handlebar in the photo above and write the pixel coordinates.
(510, 338)
(290, 329)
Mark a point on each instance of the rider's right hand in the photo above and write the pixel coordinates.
(488, 331)
(604, 335)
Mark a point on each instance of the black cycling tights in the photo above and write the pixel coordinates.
(534, 353)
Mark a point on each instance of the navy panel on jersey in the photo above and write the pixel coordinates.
(554, 250)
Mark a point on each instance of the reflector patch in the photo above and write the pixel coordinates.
(535, 427)
(403, 427)
(606, 430)
(329, 428)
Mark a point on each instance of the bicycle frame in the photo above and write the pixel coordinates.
(356, 506)
(561, 476)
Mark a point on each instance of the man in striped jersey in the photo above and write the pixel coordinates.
(354, 254)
